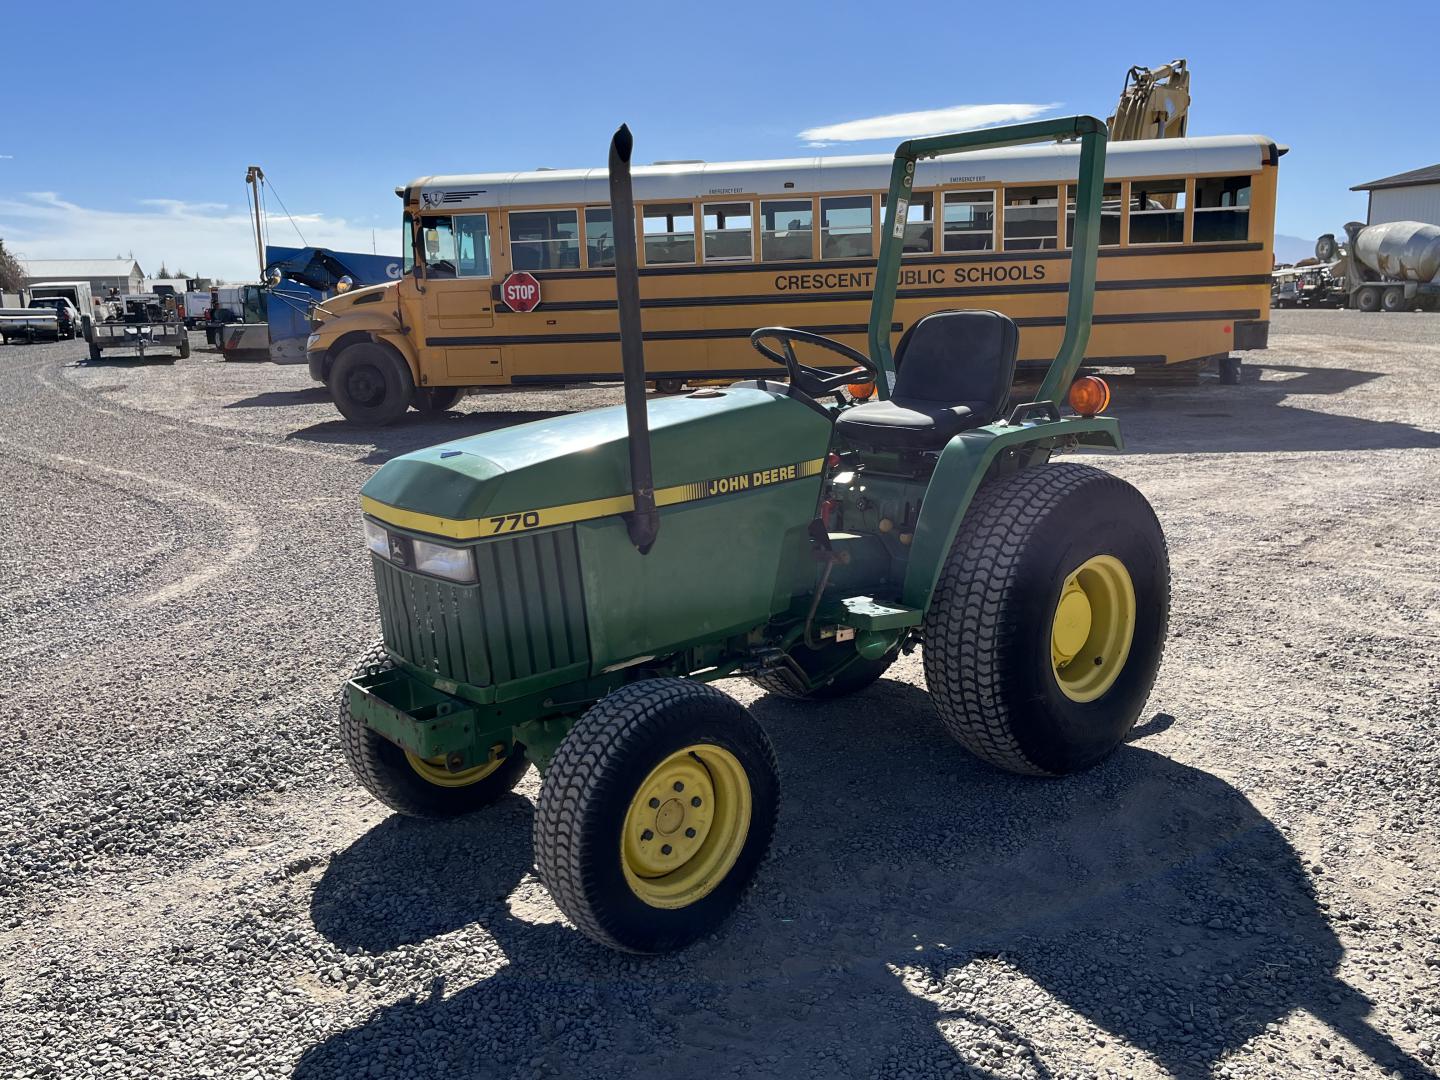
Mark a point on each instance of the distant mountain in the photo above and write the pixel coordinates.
(1291, 249)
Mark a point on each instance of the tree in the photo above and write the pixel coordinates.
(12, 275)
(163, 273)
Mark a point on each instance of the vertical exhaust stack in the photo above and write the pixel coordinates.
(644, 521)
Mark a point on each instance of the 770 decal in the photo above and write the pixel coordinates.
(515, 522)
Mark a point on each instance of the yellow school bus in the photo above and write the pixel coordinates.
(509, 277)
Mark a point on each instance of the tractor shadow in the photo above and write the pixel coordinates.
(907, 880)
(1264, 414)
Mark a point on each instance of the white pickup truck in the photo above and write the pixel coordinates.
(48, 318)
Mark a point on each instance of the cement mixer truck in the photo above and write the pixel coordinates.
(1390, 267)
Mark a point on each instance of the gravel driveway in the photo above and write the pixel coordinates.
(191, 885)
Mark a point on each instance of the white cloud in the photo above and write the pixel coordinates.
(213, 239)
(914, 125)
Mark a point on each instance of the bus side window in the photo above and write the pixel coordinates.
(439, 240)
(472, 237)
(545, 240)
(919, 222)
(969, 223)
(669, 233)
(1030, 217)
(786, 229)
(1157, 211)
(845, 227)
(1109, 215)
(728, 232)
(599, 237)
(1222, 209)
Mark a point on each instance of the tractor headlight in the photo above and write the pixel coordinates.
(456, 564)
(441, 560)
(377, 539)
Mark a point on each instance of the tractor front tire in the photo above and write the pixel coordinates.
(860, 675)
(371, 384)
(656, 814)
(1046, 628)
(184, 349)
(414, 786)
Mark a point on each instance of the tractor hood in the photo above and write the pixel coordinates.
(576, 467)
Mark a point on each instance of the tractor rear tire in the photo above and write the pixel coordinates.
(371, 384)
(411, 785)
(1368, 299)
(431, 401)
(861, 675)
(95, 353)
(184, 349)
(655, 814)
(1024, 673)
(1393, 299)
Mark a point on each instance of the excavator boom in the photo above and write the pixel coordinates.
(1154, 103)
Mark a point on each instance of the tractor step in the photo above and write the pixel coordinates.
(864, 613)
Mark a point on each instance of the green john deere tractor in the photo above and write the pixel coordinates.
(562, 593)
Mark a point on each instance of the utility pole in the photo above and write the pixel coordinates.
(254, 176)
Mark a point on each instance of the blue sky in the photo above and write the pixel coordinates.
(129, 138)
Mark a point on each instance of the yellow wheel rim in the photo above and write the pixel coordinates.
(435, 771)
(685, 827)
(1093, 627)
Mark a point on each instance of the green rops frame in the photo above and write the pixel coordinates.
(1092, 135)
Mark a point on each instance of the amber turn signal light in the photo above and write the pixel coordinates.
(1089, 395)
(860, 390)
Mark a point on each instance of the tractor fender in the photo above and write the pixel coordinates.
(965, 463)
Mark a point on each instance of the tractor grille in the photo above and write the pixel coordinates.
(524, 616)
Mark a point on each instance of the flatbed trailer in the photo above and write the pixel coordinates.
(144, 338)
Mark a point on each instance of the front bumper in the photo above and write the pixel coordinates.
(315, 360)
(414, 715)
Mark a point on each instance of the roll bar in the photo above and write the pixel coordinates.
(1092, 135)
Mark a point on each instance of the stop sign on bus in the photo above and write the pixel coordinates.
(520, 291)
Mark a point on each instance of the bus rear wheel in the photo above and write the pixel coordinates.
(370, 384)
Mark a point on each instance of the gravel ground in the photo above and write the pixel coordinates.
(192, 886)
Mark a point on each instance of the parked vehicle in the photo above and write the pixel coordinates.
(51, 318)
(1306, 286)
(1394, 266)
(81, 298)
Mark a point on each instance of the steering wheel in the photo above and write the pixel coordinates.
(816, 382)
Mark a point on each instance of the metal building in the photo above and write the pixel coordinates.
(102, 274)
(1407, 196)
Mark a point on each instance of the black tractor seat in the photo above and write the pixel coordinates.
(953, 371)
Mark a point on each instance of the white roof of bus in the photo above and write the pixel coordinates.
(695, 180)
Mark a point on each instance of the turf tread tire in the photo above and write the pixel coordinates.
(382, 770)
(584, 771)
(970, 616)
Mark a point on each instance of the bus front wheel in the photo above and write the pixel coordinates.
(371, 384)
